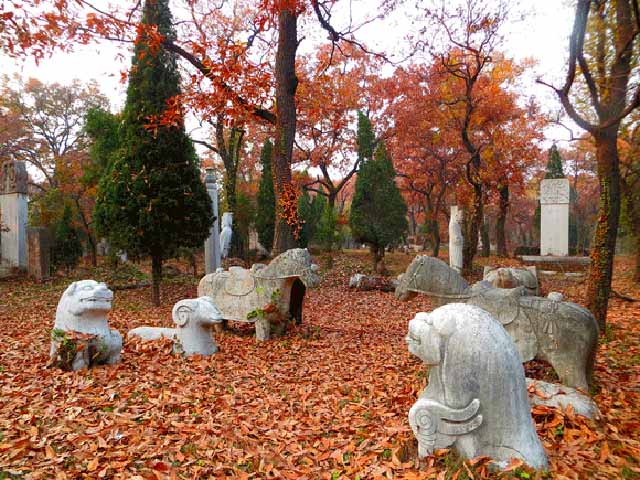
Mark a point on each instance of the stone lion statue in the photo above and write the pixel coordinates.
(81, 335)
(476, 398)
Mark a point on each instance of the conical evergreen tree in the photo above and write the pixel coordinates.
(266, 215)
(67, 248)
(151, 201)
(554, 164)
(378, 211)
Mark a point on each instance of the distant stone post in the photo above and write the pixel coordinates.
(554, 218)
(212, 244)
(456, 240)
(13, 214)
(39, 252)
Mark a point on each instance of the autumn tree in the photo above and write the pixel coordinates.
(151, 201)
(266, 200)
(602, 51)
(378, 211)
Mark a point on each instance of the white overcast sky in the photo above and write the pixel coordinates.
(543, 35)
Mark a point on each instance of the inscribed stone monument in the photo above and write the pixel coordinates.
(39, 252)
(554, 219)
(14, 214)
(225, 235)
(212, 244)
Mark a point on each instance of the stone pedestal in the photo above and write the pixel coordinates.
(212, 244)
(13, 214)
(39, 252)
(554, 219)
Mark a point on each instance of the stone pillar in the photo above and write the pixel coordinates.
(39, 252)
(455, 239)
(212, 244)
(13, 214)
(554, 218)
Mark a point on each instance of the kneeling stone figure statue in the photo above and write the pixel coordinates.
(194, 319)
(476, 398)
(81, 335)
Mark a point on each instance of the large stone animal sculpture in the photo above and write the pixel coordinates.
(194, 319)
(562, 333)
(81, 336)
(262, 293)
(507, 277)
(476, 397)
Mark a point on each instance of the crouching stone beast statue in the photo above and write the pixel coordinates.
(81, 336)
(476, 397)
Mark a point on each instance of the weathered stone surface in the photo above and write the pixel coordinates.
(456, 240)
(554, 218)
(194, 319)
(226, 234)
(561, 396)
(81, 336)
(366, 283)
(13, 177)
(562, 333)
(476, 397)
(505, 277)
(241, 293)
(39, 247)
(212, 255)
(433, 277)
(13, 234)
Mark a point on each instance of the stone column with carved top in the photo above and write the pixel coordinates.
(13, 214)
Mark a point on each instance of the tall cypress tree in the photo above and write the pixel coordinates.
(554, 164)
(151, 200)
(378, 211)
(266, 215)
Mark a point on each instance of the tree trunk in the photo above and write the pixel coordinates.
(156, 276)
(286, 85)
(636, 274)
(435, 238)
(486, 239)
(472, 219)
(604, 243)
(501, 239)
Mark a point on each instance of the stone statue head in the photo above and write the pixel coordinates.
(85, 296)
(196, 313)
(432, 277)
(295, 262)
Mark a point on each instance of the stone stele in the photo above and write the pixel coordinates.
(456, 240)
(554, 217)
(194, 319)
(245, 295)
(563, 333)
(476, 398)
(81, 335)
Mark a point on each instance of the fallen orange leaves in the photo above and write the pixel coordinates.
(329, 400)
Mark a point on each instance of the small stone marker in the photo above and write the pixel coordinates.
(39, 252)
(554, 220)
(456, 240)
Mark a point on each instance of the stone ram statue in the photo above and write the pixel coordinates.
(476, 398)
(81, 336)
(194, 319)
(243, 295)
(563, 333)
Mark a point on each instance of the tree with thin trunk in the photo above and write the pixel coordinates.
(151, 201)
(609, 30)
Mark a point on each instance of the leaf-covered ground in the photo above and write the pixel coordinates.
(329, 400)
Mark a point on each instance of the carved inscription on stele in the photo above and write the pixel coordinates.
(554, 191)
(13, 177)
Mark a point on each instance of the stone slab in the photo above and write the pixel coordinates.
(39, 248)
(14, 214)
